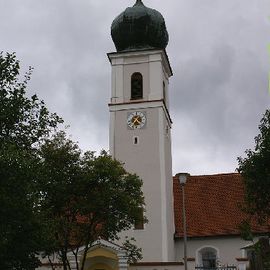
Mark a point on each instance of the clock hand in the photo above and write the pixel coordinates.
(137, 121)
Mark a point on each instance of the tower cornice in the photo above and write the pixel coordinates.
(141, 105)
(132, 53)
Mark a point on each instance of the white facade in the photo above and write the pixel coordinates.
(228, 250)
(150, 156)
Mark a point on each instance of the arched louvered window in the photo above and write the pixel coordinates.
(136, 86)
(208, 257)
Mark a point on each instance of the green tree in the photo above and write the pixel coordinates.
(85, 197)
(53, 197)
(255, 169)
(25, 122)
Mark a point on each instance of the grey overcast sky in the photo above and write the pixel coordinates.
(217, 49)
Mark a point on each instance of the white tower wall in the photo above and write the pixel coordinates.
(151, 157)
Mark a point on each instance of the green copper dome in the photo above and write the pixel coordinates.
(139, 27)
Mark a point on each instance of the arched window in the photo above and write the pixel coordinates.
(136, 86)
(207, 257)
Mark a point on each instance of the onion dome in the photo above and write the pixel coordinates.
(139, 27)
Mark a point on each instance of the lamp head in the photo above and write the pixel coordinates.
(183, 178)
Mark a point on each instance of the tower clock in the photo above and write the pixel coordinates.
(136, 120)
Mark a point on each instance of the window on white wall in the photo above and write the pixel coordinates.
(208, 257)
(135, 140)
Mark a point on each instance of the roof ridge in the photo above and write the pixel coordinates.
(215, 174)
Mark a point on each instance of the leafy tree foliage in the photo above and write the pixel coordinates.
(24, 123)
(133, 252)
(85, 197)
(53, 197)
(255, 169)
(259, 255)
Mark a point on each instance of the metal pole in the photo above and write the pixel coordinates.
(184, 227)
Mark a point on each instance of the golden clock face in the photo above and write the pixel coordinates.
(136, 120)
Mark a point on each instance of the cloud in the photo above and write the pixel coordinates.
(218, 51)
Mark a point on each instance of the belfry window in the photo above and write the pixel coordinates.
(136, 86)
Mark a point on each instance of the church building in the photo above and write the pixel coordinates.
(140, 136)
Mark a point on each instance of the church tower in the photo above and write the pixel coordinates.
(140, 122)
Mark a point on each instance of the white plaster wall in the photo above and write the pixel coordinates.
(117, 79)
(151, 158)
(168, 216)
(132, 68)
(154, 67)
(228, 248)
(155, 77)
(143, 160)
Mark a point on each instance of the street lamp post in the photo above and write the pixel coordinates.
(183, 180)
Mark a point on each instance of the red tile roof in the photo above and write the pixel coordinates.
(212, 205)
